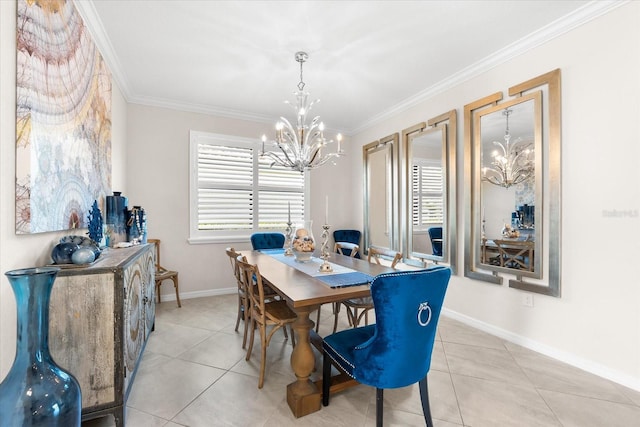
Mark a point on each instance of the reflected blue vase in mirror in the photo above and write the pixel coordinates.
(36, 391)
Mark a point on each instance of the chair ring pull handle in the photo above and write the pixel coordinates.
(424, 307)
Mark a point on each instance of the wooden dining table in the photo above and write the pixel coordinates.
(304, 294)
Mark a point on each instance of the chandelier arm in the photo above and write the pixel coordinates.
(292, 136)
(310, 106)
(502, 147)
(275, 158)
(326, 158)
(313, 139)
(492, 180)
(286, 155)
(315, 154)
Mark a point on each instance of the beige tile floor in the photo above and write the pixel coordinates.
(193, 373)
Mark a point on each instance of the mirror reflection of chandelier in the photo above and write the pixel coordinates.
(512, 163)
(304, 146)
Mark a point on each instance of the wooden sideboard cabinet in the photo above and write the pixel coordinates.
(99, 321)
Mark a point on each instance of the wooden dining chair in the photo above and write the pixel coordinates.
(349, 236)
(374, 254)
(264, 312)
(346, 248)
(517, 254)
(243, 299)
(163, 274)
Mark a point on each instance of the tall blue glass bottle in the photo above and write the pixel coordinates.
(36, 391)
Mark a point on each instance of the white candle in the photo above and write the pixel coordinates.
(326, 210)
(289, 212)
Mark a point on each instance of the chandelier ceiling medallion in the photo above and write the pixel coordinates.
(303, 146)
(512, 163)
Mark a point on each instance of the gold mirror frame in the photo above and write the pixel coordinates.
(548, 216)
(446, 125)
(374, 175)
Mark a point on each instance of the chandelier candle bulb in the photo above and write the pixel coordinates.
(289, 203)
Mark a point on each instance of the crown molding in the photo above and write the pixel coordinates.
(555, 29)
(93, 22)
(200, 109)
(588, 12)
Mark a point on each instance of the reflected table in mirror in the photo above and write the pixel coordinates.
(516, 253)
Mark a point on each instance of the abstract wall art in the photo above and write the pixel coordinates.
(63, 119)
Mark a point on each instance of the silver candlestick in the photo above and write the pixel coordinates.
(287, 242)
(325, 267)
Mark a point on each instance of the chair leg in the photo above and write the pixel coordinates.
(318, 319)
(336, 312)
(240, 312)
(424, 397)
(379, 406)
(253, 330)
(158, 291)
(175, 285)
(247, 319)
(326, 378)
(263, 356)
(293, 336)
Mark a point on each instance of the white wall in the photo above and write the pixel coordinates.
(158, 180)
(21, 251)
(596, 322)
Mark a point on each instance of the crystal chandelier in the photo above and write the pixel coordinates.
(513, 163)
(301, 147)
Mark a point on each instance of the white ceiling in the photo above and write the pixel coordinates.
(367, 59)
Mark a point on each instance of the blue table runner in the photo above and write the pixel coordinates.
(340, 277)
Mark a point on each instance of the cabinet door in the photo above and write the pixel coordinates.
(149, 291)
(133, 322)
(81, 333)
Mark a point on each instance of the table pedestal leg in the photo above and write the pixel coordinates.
(303, 396)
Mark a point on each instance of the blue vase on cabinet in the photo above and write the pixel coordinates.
(36, 391)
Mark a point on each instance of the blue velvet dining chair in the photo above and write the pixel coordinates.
(349, 236)
(435, 235)
(396, 351)
(267, 241)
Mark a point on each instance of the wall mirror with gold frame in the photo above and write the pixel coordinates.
(429, 226)
(512, 182)
(380, 193)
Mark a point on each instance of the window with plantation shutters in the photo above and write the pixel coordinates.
(235, 193)
(427, 194)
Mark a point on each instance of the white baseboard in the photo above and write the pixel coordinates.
(569, 358)
(169, 296)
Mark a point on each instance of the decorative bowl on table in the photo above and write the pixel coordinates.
(75, 250)
(303, 244)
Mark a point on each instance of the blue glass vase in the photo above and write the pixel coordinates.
(36, 392)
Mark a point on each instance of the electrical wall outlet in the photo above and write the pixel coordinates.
(527, 300)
